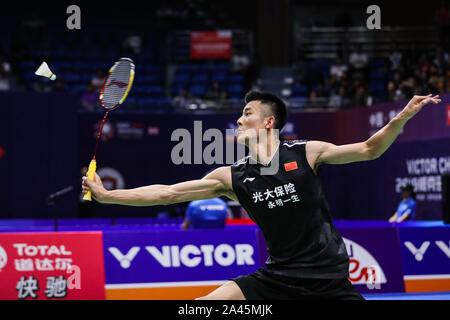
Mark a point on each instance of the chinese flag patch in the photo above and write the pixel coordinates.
(290, 166)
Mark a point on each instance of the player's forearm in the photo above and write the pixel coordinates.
(382, 140)
(143, 196)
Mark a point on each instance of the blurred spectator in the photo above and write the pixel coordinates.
(182, 99)
(224, 95)
(406, 209)
(89, 99)
(339, 69)
(361, 97)
(98, 79)
(395, 58)
(206, 214)
(321, 91)
(358, 59)
(397, 79)
(339, 100)
(59, 86)
(300, 70)
(393, 92)
(315, 101)
(214, 91)
(4, 65)
(5, 82)
(132, 43)
(42, 85)
(5, 75)
(423, 64)
(240, 62)
(409, 87)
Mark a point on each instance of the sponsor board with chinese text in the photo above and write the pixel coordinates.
(65, 265)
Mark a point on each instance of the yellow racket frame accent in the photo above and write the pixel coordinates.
(91, 175)
(129, 87)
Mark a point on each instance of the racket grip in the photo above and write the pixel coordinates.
(91, 175)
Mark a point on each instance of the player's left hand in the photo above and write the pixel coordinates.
(417, 103)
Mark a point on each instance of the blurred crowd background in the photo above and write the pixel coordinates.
(326, 57)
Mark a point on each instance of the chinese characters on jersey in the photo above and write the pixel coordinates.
(277, 197)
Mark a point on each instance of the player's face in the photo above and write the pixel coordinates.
(251, 121)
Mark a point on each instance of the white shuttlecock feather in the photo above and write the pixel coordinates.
(45, 71)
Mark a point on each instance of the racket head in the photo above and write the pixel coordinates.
(117, 84)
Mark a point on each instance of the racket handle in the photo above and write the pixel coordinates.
(91, 175)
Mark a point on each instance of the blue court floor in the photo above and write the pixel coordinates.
(409, 296)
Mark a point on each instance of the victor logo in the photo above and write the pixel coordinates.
(125, 260)
(191, 255)
(419, 253)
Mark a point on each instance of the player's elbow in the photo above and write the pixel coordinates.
(371, 153)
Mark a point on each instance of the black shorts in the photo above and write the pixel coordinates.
(265, 285)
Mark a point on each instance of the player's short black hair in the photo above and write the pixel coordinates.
(277, 106)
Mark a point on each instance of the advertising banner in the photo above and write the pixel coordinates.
(354, 189)
(211, 44)
(426, 256)
(176, 264)
(375, 261)
(46, 266)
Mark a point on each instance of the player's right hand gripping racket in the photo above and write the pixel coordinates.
(114, 91)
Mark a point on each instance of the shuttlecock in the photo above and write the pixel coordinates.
(45, 71)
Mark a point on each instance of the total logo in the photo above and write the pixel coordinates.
(24, 249)
(363, 269)
(3, 258)
(419, 253)
(190, 255)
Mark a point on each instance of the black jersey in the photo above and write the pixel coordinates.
(292, 212)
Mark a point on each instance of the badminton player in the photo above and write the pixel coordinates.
(307, 256)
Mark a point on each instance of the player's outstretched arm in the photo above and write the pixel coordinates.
(372, 148)
(216, 183)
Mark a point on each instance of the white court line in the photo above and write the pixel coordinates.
(164, 284)
(425, 276)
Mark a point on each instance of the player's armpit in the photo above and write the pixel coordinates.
(325, 152)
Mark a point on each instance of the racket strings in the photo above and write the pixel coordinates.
(117, 84)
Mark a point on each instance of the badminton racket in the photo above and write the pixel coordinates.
(114, 91)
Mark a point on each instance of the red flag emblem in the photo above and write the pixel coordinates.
(290, 166)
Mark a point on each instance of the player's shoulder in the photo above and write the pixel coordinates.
(293, 143)
(241, 162)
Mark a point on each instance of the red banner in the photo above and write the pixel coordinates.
(210, 44)
(448, 114)
(44, 266)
